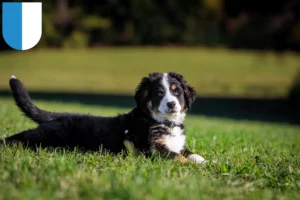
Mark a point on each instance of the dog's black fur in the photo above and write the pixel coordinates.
(108, 133)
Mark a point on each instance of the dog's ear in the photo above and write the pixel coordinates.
(142, 92)
(189, 92)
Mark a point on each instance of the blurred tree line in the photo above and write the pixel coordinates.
(238, 24)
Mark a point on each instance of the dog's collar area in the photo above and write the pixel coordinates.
(172, 124)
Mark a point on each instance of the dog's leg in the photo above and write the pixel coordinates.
(158, 143)
(193, 157)
(47, 134)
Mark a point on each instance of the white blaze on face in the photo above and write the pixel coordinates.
(163, 107)
(162, 115)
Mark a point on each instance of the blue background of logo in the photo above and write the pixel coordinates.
(12, 24)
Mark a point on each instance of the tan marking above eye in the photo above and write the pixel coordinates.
(173, 87)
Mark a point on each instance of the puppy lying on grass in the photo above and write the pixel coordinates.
(154, 125)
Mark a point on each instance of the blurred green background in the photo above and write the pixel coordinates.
(242, 57)
(213, 72)
(248, 24)
(226, 49)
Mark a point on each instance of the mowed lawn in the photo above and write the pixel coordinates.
(213, 72)
(247, 160)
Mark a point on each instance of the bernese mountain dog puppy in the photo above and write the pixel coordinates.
(155, 125)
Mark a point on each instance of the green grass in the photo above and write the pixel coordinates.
(216, 72)
(249, 160)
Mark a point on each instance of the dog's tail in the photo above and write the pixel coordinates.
(25, 104)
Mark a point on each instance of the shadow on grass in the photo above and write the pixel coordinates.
(269, 110)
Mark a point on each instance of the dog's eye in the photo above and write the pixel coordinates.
(176, 92)
(160, 93)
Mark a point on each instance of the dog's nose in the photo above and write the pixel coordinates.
(171, 104)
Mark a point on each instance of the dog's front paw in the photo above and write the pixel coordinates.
(197, 158)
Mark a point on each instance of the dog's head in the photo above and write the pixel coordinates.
(166, 96)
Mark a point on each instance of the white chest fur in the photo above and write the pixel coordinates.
(176, 140)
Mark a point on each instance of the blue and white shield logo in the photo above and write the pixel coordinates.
(22, 24)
